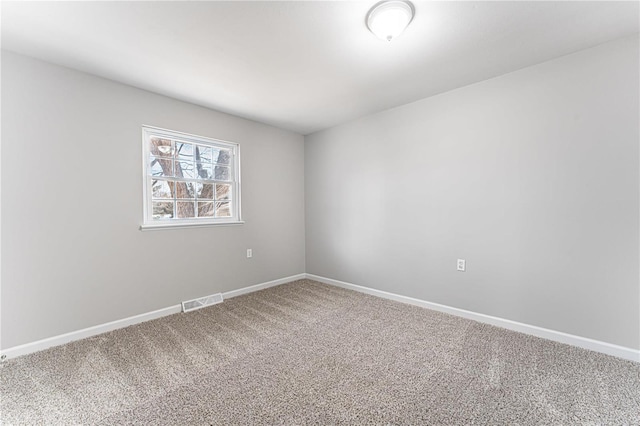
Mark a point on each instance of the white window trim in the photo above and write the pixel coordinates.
(147, 221)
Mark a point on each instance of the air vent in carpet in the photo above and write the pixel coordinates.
(192, 305)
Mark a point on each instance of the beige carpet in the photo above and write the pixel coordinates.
(309, 353)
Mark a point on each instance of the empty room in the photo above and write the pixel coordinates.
(320, 212)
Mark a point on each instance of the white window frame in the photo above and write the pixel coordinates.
(148, 222)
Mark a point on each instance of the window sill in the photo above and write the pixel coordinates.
(155, 227)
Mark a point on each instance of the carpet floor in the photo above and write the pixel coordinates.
(310, 353)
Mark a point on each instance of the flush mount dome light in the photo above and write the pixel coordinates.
(388, 19)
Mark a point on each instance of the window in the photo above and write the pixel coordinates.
(189, 180)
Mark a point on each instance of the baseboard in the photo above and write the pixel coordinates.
(557, 336)
(49, 342)
(114, 325)
(251, 289)
(582, 342)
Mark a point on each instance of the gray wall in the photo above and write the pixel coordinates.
(72, 254)
(532, 177)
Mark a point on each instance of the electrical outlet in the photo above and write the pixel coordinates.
(249, 253)
(462, 265)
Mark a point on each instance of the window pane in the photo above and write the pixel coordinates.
(161, 147)
(162, 210)
(162, 188)
(184, 151)
(204, 170)
(185, 209)
(160, 167)
(204, 190)
(184, 169)
(223, 209)
(221, 173)
(204, 154)
(205, 209)
(185, 190)
(222, 156)
(223, 192)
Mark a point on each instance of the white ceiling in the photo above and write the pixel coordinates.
(305, 65)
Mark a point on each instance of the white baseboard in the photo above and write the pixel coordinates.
(251, 289)
(557, 336)
(582, 342)
(49, 342)
(114, 325)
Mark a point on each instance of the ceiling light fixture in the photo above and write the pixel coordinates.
(388, 19)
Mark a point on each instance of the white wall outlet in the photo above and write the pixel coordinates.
(249, 253)
(462, 265)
